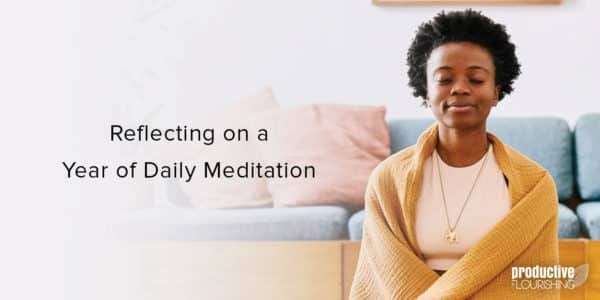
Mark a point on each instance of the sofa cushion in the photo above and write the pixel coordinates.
(343, 143)
(587, 152)
(230, 192)
(355, 225)
(568, 225)
(528, 135)
(174, 223)
(589, 215)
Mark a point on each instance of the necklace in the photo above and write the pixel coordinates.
(450, 235)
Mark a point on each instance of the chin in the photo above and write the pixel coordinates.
(462, 123)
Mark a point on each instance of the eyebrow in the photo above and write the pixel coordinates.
(469, 68)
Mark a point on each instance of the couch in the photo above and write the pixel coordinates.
(569, 156)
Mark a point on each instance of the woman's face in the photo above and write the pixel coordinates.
(461, 87)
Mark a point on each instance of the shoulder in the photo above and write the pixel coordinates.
(530, 174)
(394, 167)
(524, 165)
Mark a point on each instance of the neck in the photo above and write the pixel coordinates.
(460, 147)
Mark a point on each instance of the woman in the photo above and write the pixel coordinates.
(449, 217)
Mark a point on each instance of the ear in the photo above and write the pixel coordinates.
(496, 96)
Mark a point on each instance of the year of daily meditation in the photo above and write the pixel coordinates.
(186, 172)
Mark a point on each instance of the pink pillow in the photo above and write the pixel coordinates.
(231, 192)
(344, 143)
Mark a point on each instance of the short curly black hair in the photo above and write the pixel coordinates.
(462, 26)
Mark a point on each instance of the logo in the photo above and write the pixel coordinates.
(549, 277)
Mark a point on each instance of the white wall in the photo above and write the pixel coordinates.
(190, 53)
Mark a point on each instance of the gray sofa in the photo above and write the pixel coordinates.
(548, 141)
(545, 140)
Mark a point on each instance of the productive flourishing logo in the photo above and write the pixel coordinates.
(549, 277)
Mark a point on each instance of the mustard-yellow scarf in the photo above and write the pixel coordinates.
(391, 265)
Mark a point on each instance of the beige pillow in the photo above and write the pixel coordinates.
(231, 192)
(344, 143)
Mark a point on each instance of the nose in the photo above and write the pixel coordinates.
(460, 87)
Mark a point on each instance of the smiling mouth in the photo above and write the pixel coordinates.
(460, 108)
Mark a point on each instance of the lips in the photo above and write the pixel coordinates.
(460, 107)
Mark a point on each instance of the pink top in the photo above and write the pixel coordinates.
(488, 204)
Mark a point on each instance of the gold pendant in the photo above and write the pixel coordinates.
(451, 237)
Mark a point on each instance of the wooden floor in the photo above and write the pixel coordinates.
(279, 269)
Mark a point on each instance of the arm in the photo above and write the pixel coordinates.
(387, 267)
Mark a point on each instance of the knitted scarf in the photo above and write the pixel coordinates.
(391, 265)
